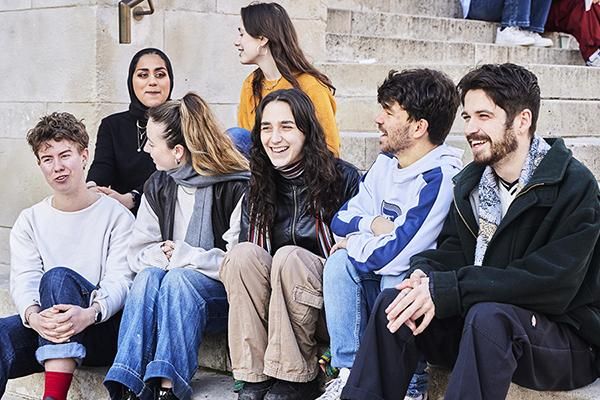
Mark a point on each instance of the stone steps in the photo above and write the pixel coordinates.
(446, 8)
(407, 26)
(87, 384)
(566, 118)
(375, 49)
(439, 381)
(556, 81)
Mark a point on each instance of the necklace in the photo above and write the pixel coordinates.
(275, 83)
(141, 136)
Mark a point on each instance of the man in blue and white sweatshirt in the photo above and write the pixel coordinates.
(399, 210)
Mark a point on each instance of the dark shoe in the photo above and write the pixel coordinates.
(128, 395)
(284, 390)
(255, 391)
(48, 398)
(165, 394)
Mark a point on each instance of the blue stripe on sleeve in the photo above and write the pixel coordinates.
(415, 217)
(341, 228)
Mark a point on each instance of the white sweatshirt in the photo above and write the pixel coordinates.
(92, 242)
(144, 246)
(416, 198)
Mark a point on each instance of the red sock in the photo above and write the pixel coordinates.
(57, 384)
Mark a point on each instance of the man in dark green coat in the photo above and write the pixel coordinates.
(512, 293)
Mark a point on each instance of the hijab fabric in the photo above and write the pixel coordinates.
(136, 107)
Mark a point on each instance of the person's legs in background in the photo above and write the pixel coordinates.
(521, 21)
(570, 16)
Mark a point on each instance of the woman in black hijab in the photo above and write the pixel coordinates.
(121, 167)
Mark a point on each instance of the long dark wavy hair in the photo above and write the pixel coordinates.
(270, 20)
(321, 177)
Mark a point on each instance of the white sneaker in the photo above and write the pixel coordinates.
(333, 389)
(594, 60)
(513, 36)
(419, 397)
(540, 41)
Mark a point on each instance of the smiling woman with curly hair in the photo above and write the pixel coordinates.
(274, 281)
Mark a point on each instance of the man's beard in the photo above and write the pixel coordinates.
(400, 142)
(498, 150)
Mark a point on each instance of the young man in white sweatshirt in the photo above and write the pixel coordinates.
(69, 274)
(399, 210)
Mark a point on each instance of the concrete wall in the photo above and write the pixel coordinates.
(64, 55)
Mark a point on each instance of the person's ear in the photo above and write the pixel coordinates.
(522, 121)
(421, 129)
(179, 153)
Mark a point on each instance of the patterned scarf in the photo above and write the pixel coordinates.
(490, 207)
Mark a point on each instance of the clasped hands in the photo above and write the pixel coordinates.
(61, 322)
(413, 302)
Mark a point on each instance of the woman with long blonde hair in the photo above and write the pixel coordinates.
(189, 218)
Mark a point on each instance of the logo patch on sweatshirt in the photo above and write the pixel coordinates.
(390, 210)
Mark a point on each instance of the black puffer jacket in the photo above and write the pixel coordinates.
(293, 224)
(543, 257)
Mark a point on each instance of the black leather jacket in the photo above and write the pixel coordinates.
(161, 192)
(293, 224)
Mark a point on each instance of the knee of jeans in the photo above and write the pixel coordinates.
(149, 277)
(487, 316)
(175, 279)
(54, 275)
(337, 271)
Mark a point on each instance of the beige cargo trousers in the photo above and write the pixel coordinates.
(275, 312)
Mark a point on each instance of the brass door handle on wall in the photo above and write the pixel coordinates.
(125, 12)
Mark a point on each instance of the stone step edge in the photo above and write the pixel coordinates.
(355, 35)
(492, 25)
(372, 135)
(88, 383)
(373, 97)
(400, 66)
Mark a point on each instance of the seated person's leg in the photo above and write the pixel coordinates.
(347, 294)
(503, 343)
(294, 312)
(417, 388)
(137, 335)
(60, 353)
(190, 304)
(486, 10)
(17, 350)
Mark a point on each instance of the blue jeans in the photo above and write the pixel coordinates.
(165, 318)
(349, 296)
(241, 139)
(528, 14)
(23, 352)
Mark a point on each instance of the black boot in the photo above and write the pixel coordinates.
(285, 390)
(128, 395)
(165, 394)
(255, 391)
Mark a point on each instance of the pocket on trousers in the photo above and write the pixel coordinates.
(310, 299)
